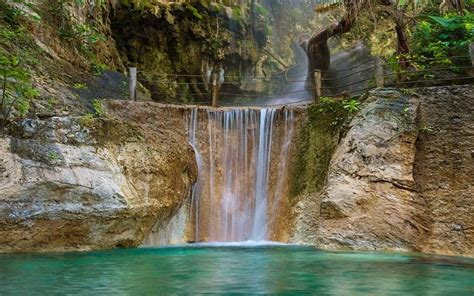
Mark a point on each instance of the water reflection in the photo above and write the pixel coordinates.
(248, 270)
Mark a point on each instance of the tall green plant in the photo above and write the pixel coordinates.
(444, 36)
(16, 90)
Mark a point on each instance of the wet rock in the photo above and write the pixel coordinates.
(60, 191)
(29, 127)
(400, 179)
(369, 195)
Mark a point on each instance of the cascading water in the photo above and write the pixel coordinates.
(192, 125)
(240, 154)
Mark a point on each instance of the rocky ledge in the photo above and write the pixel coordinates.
(81, 184)
(400, 178)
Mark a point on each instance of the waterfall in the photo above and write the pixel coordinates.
(192, 126)
(241, 153)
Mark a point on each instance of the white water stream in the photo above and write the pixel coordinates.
(232, 199)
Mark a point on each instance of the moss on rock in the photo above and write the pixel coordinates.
(316, 144)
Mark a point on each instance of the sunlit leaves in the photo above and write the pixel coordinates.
(448, 35)
(16, 91)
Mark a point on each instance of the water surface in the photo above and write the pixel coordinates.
(249, 269)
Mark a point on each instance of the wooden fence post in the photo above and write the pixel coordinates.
(317, 84)
(132, 76)
(379, 79)
(214, 90)
(471, 52)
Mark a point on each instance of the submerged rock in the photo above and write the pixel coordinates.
(66, 187)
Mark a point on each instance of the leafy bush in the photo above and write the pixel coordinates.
(80, 85)
(335, 109)
(16, 89)
(98, 108)
(444, 36)
(10, 14)
(351, 105)
(87, 120)
(84, 35)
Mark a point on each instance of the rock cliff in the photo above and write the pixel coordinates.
(400, 178)
(68, 184)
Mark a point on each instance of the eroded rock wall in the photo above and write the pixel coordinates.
(400, 178)
(210, 132)
(444, 168)
(65, 186)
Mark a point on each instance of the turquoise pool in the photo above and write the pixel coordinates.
(234, 270)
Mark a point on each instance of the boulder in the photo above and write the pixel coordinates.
(64, 186)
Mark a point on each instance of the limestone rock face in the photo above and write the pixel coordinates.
(444, 168)
(67, 187)
(400, 179)
(369, 201)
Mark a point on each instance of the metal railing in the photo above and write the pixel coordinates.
(382, 75)
(379, 74)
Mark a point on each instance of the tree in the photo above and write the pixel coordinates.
(401, 12)
(317, 47)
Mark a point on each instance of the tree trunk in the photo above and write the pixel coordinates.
(318, 51)
(403, 48)
(215, 85)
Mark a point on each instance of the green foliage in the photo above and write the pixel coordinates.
(16, 89)
(444, 36)
(99, 68)
(194, 11)
(261, 10)
(83, 35)
(316, 144)
(237, 14)
(87, 35)
(18, 42)
(12, 12)
(98, 108)
(340, 109)
(87, 121)
(52, 102)
(351, 105)
(52, 156)
(426, 129)
(80, 85)
(406, 92)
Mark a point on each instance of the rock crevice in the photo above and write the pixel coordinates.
(400, 177)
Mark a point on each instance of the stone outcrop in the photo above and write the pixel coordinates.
(206, 122)
(369, 201)
(397, 176)
(399, 179)
(444, 168)
(65, 186)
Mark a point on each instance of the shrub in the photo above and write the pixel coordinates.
(98, 108)
(16, 89)
(444, 36)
